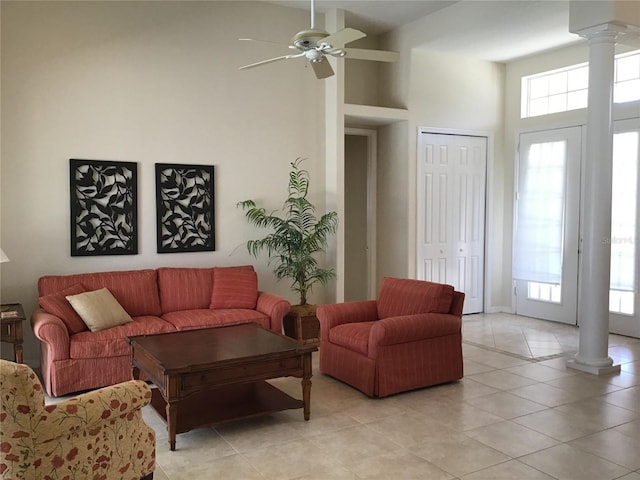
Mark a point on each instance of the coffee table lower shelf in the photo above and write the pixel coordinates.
(222, 404)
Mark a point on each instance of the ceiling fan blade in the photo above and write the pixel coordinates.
(322, 69)
(376, 55)
(262, 41)
(264, 62)
(339, 39)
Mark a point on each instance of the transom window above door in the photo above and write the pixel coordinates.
(567, 88)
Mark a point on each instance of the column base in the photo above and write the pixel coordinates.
(593, 369)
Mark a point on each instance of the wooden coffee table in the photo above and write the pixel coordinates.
(218, 374)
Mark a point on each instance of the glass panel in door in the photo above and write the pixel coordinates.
(545, 260)
(624, 304)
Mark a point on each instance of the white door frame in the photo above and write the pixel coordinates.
(619, 323)
(490, 237)
(566, 310)
(372, 195)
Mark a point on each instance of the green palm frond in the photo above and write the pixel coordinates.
(296, 237)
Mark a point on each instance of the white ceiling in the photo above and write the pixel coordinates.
(496, 30)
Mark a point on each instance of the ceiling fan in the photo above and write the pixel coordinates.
(315, 44)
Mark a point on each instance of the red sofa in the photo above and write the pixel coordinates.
(410, 337)
(73, 358)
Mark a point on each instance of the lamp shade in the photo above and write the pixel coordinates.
(3, 256)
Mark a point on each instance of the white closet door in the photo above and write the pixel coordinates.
(451, 213)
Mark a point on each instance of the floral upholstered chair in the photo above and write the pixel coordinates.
(99, 435)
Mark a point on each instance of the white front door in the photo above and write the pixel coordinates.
(546, 244)
(624, 300)
(545, 257)
(451, 213)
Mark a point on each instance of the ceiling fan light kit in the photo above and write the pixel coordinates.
(314, 44)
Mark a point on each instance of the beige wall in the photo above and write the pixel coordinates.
(441, 91)
(361, 82)
(147, 82)
(392, 214)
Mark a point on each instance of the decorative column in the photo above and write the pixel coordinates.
(593, 302)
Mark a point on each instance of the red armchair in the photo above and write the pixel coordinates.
(410, 337)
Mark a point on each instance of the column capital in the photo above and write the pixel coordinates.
(604, 32)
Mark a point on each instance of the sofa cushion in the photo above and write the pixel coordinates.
(56, 304)
(99, 309)
(135, 290)
(184, 288)
(234, 287)
(402, 296)
(113, 342)
(206, 318)
(353, 336)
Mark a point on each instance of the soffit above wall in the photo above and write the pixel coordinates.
(374, 17)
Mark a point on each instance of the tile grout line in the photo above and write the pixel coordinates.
(515, 355)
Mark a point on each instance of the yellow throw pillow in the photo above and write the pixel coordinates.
(99, 309)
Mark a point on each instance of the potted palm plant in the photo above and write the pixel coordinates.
(296, 237)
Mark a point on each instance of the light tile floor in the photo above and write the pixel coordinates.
(517, 414)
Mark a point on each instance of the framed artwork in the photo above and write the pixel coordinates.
(103, 207)
(184, 208)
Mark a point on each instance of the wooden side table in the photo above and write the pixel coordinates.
(11, 318)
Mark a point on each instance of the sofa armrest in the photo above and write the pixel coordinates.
(91, 410)
(275, 307)
(51, 330)
(411, 328)
(332, 315)
(457, 303)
